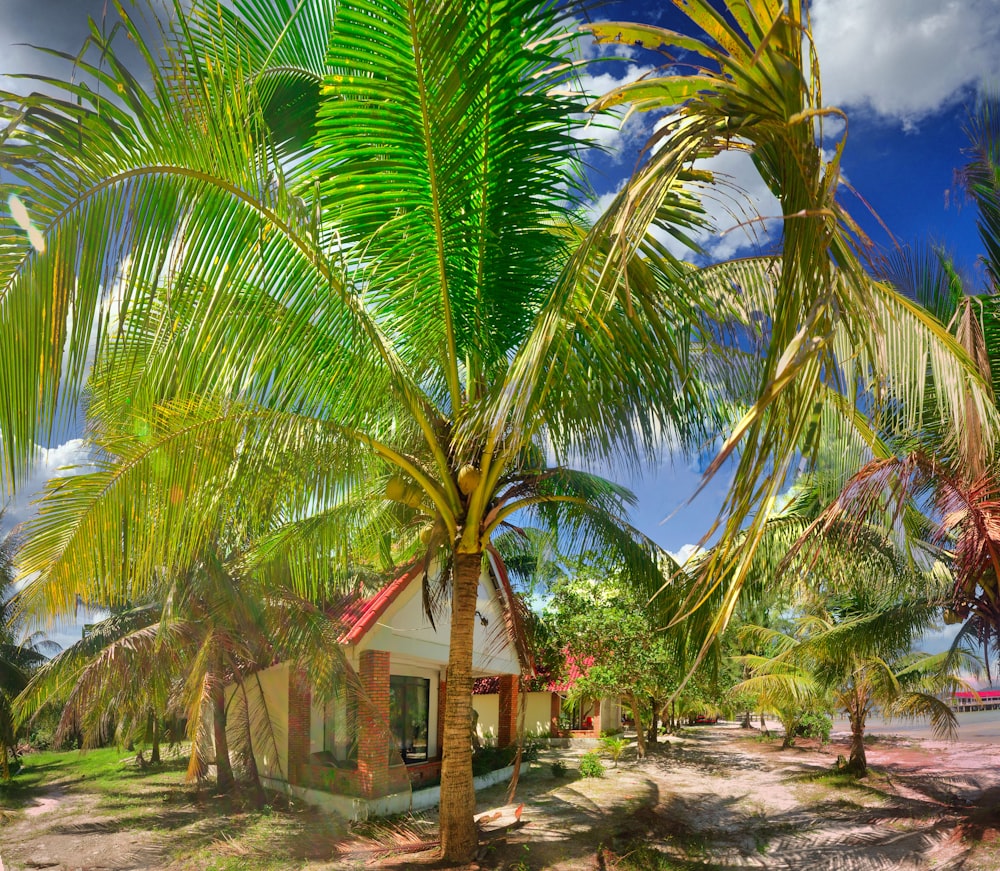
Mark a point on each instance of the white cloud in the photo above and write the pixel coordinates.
(685, 553)
(58, 462)
(905, 59)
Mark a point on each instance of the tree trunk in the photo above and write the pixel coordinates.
(154, 753)
(746, 724)
(858, 763)
(655, 725)
(6, 761)
(640, 735)
(223, 767)
(459, 836)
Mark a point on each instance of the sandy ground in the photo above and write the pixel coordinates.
(714, 799)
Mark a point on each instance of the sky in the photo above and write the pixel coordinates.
(906, 73)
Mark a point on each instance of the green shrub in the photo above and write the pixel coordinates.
(590, 765)
(815, 725)
(558, 768)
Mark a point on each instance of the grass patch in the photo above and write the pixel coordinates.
(101, 769)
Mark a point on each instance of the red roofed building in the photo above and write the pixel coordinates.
(355, 739)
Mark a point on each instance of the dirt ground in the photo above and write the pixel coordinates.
(713, 799)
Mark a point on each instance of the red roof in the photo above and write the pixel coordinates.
(360, 614)
(983, 694)
(575, 669)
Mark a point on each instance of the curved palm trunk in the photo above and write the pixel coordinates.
(459, 836)
(223, 767)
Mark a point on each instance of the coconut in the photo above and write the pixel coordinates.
(425, 534)
(468, 478)
(395, 489)
(951, 616)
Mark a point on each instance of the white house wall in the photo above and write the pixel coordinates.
(537, 713)
(488, 708)
(271, 749)
(404, 630)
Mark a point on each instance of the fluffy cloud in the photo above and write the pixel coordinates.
(685, 553)
(905, 59)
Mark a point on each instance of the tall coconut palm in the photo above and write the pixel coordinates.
(340, 260)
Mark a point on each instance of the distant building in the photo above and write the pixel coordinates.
(982, 700)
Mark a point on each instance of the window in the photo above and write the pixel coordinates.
(409, 711)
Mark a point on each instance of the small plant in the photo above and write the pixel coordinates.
(591, 766)
(614, 747)
(558, 768)
(815, 725)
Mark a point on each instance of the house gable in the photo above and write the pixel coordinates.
(394, 621)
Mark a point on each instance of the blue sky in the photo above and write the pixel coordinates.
(905, 71)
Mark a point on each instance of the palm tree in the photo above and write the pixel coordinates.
(809, 343)
(334, 253)
(855, 649)
(382, 307)
(949, 497)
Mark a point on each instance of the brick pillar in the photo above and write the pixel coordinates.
(597, 721)
(299, 725)
(442, 696)
(555, 709)
(373, 724)
(507, 731)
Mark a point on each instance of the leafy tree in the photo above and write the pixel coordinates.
(597, 617)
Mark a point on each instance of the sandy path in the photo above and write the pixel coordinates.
(719, 800)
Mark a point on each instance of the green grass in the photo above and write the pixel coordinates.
(204, 830)
(101, 769)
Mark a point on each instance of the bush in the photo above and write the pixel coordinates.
(590, 765)
(491, 758)
(558, 768)
(815, 725)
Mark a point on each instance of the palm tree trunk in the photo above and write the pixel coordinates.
(858, 762)
(223, 767)
(154, 753)
(459, 837)
(640, 736)
(6, 762)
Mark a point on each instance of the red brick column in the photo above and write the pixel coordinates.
(442, 695)
(299, 725)
(507, 731)
(373, 724)
(555, 709)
